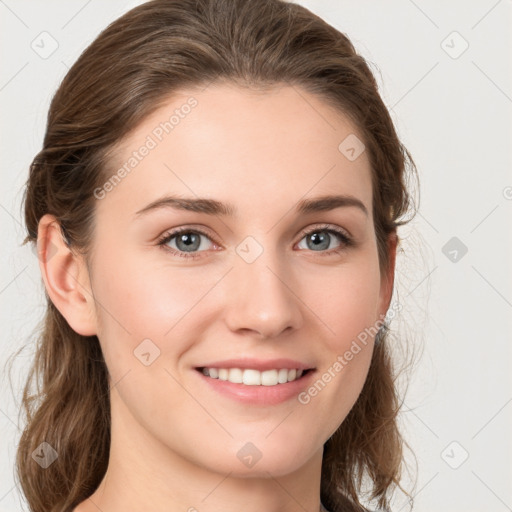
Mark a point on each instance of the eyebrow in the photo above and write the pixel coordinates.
(214, 207)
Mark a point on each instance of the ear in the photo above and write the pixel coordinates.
(65, 277)
(388, 278)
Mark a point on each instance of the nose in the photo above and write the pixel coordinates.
(262, 297)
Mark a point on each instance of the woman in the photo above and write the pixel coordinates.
(215, 208)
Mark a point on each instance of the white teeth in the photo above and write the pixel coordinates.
(235, 375)
(282, 378)
(251, 377)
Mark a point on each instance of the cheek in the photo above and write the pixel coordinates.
(146, 298)
(347, 305)
(347, 354)
(346, 301)
(140, 301)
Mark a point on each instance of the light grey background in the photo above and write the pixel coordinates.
(452, 107)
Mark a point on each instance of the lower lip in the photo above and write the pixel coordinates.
(259, 395)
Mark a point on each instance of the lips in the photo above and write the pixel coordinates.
(258, 364)
(268, 392)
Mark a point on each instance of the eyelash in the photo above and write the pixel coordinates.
(345, 239)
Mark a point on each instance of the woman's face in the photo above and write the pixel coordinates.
(258, 273)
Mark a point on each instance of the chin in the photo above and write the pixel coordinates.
(249, 461)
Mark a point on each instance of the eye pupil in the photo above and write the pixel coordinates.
(191, 241)
(320, 240)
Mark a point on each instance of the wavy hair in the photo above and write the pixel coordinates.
(128, 71)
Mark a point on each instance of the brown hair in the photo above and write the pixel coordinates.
(124, 75)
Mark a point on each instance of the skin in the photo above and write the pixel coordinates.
(174, 441)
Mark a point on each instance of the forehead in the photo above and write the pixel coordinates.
(239, 145)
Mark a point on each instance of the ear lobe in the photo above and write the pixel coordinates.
(65, 277)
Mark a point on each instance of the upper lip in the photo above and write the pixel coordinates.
(258, 364)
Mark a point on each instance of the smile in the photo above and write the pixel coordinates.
(252, 377)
